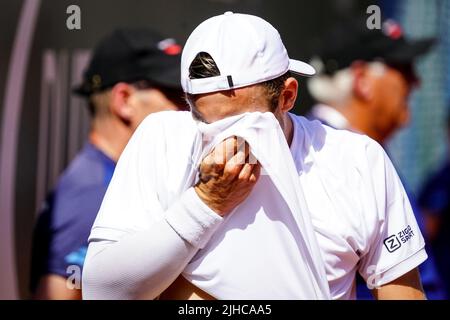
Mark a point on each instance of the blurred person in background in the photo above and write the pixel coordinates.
(435, 203)
(364, 83)
(133, 73)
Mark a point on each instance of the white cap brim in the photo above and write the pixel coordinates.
(302, 68)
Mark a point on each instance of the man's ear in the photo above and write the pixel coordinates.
(120, 101)
(361, 83)
(288, 95)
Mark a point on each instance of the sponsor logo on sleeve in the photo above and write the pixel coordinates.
(395, 241)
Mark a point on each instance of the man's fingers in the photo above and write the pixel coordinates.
(217, 158)
(250, 172)
(246, 171)
(234, 166)
(223, 152)
(246, 148)
(228, 159)
(256, 172)
(229, 147)
(226, 150)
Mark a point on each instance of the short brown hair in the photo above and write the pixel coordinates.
(204, 66)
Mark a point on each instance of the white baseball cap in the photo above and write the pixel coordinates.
(246, 49)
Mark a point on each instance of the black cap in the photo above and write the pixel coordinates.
(131, 55)
(353, 40)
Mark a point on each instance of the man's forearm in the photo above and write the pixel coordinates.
(407, 287)
(148, 261)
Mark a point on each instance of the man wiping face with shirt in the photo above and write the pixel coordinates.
(187, 216)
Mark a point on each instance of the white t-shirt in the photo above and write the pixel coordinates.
(360, 213)
(265, 249)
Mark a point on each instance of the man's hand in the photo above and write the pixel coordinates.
(226, 177)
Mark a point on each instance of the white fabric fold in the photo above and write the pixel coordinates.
(266, 248)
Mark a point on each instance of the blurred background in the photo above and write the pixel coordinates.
(43, 125)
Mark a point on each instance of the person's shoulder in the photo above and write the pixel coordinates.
(79, 191)
(168, 118)
(85, 170)
(166, 128)
(325, 139)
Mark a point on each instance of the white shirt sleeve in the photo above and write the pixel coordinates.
(396, 243)
(137, 244)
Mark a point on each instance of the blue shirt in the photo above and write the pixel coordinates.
(64, 224)
(435, 197)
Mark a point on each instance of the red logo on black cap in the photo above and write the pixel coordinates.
(170, 47)
(392, 29)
